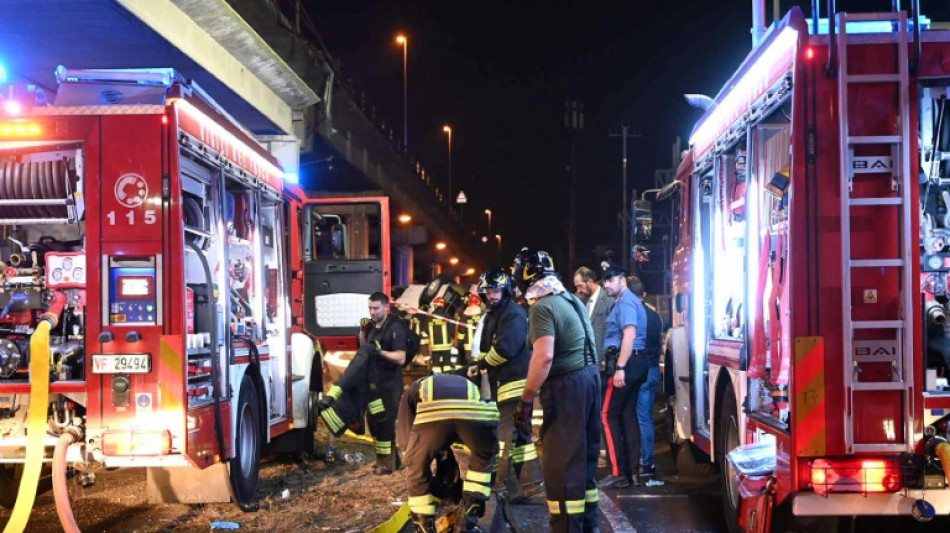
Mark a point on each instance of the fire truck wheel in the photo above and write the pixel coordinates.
(9, 483)
(727, 438)
(246, 463)
(691, 461)
(669, 381)
(671, 423)
(306, 438)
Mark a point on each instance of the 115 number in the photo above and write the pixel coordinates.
(149, 218)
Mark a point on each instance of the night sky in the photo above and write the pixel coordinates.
(500, 73)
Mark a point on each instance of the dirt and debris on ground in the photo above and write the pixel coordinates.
(334, 497)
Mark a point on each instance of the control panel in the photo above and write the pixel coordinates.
(134, 291)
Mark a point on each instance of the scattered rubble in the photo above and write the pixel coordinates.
(295, 495)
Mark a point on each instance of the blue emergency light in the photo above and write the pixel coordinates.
(870, 26)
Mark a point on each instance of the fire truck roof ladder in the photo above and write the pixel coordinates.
(901, 360)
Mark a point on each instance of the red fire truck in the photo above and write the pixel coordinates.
(149, 282)
(810, 349)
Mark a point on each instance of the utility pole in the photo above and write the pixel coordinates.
(573, 123)
(625, 209)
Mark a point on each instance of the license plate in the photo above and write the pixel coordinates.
(138, 363)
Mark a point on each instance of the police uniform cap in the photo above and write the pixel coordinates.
(612, 269)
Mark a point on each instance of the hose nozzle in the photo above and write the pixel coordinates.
(935, 313)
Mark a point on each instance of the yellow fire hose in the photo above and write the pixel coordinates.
(943, 452)
(37, 417)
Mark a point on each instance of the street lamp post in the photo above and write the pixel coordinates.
(448, 130)
(488, 212)
(401, 39)
(498, 238)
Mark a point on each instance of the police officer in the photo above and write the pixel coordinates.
(373, 380)
(433, 412)
(505, 356)
(564, 369)
(626, 335)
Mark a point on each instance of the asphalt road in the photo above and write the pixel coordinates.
(117, 504)
(690, 505)
(693, 505)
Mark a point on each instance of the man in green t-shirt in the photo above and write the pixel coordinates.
(564, 369)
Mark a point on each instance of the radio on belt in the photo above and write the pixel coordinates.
(134, 291)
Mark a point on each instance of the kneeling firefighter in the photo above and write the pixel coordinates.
(434, 412)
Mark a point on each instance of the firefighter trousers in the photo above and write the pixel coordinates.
(384, 395)
(350, 394)
(522, 465)
(571, 436)
(430, 441)
(345, 410)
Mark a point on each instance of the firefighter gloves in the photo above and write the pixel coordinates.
(523, 416)
(325, 403)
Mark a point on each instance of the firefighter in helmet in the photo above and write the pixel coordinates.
(564, 370)
(505, 358)
(440, 336)
(434, 412)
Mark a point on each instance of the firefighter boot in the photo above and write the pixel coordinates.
(424, 523)
(385, 464)
(470, 510)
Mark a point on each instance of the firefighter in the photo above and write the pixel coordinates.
(627, 363)
(434, 412)
(440, 338)
(564, 369)
(470, 318)
(372, 380)
(505, 357)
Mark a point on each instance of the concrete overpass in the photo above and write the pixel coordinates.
(262, 61)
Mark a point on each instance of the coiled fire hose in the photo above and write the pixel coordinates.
(37, 417)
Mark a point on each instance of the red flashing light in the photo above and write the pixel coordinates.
(164, 120)
(862, 476)
(20, 129)
(809, 53)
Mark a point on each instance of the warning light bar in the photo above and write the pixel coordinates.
(20, 129)
(768, 67)
(855, 475)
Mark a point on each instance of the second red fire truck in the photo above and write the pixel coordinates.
(810, 350)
